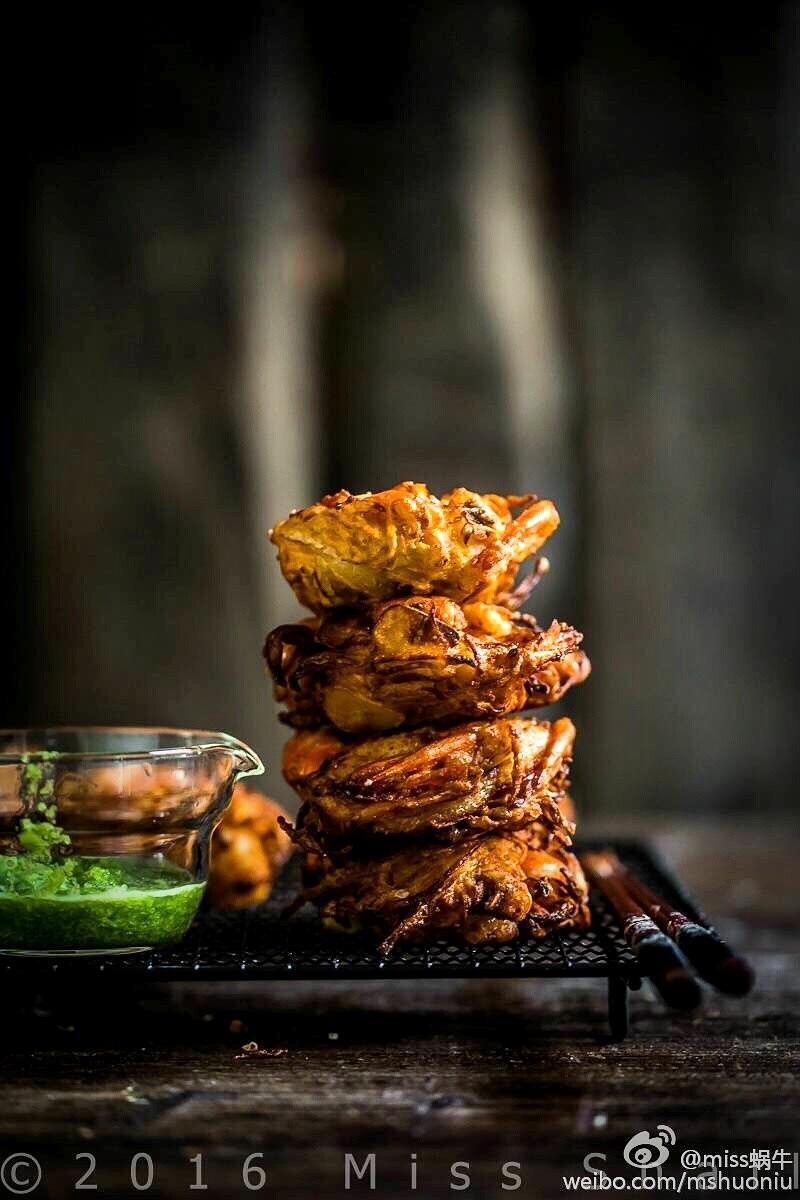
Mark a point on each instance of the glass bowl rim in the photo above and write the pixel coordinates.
(212, 741)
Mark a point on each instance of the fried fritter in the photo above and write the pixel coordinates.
(248, 849)
(350, 550)
(486, 889)
(444, 785)
(540, 835)
(418, 661)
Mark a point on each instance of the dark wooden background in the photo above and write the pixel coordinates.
(273, 250)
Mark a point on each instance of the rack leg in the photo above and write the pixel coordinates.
(617, 1007)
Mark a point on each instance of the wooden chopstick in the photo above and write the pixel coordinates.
(710, 956)
(658, 957)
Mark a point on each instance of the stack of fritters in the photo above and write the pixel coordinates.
(428, 809)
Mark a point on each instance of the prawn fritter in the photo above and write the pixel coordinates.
(248, 849)
(486, 889)
(481, 777)
(419, 660)
(352, 549)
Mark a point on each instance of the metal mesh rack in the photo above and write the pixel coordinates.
(257, 944)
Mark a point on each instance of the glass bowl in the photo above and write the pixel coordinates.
(105, 834)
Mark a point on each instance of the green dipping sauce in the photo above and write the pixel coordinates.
(82, 903)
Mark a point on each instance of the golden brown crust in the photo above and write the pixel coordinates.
(483, 777)
(545, 835)
(486, 889)
(248, 849)
(320, 856)
(419, 660)
(354, 549)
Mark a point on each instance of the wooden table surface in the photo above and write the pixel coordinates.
(484, 1073)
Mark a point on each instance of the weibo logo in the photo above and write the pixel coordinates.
(646, 1150)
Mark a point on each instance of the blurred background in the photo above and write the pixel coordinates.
(263, 252)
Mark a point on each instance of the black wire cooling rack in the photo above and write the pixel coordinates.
(257, 944)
